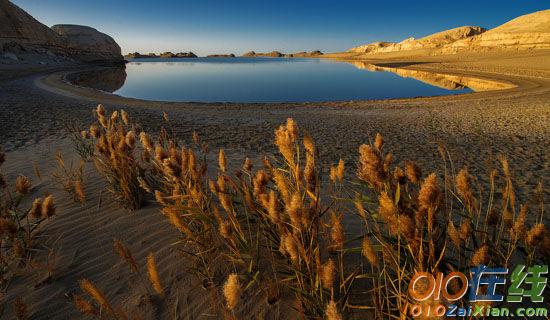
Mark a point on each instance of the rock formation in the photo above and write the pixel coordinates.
(89, 45)
(272, 54)
(277, 54)
(304, 54)
(23, 36)
(168, 54)
(20, 33)
(186, 55)
(137, 55)
(530, 31)
(249, 54)
(221, 56)
(436, 40)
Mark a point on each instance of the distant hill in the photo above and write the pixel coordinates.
(530, 31)
(436, 40)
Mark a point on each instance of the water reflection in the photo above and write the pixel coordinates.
(272, 80)
(444, 81)
(105, 79)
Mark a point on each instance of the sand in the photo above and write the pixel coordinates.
(34, 109)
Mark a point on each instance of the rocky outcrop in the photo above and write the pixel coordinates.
(272, 54)
(249, 54)
(137, 55)
(178, 55)
(221, 56)
(436, 40)
(186, 55)
(23, 36)
(167, 55)
(531, 31)
(371, 47)
(89, 45)
(277, 54)
(18, 27)
(304, 54)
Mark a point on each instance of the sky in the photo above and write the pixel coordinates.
(209, 26)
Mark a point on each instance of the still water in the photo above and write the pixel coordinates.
(270, 80)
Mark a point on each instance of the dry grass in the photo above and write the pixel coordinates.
(18, 226)
(70, 178)
(276, 231)
(116, 158)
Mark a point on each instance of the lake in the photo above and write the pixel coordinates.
(274, 80)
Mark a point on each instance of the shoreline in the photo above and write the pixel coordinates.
(57, 83)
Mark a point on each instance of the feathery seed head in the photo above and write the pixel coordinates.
(125, 254)
(413, 172)
(536, 235)
(124, 117)
(153, 274)
(308, 144)
(463, 185)
(146, 141)
(328, 271)
(247, 165)
(48, 207)
(332, 311)
(454, 234)
(369, 252)
(22, 184)
(84, 306)
(292, 128)
(428, 196)
(130, 139)
(222, 161)
(232, 291)
(96, 294)
(36, 208)
(480, 256)
(378, 142)
(371, 169)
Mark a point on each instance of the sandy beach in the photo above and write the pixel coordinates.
(35, 108)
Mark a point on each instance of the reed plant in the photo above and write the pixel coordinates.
(70, 178)
(277, 230)
(19, 223)
(80, 139)
(418, 223)
(116, 157)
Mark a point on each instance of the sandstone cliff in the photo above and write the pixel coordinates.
(436, 40)
(19, 30)
(24, 38)
(87, 44)
(530, 31)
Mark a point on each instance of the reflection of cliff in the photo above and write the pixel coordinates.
(445, 81)
(104, 79)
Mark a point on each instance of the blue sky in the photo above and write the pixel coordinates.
(208, 26)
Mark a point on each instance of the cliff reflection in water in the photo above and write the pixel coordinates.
(108, 79)
(445, 81)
